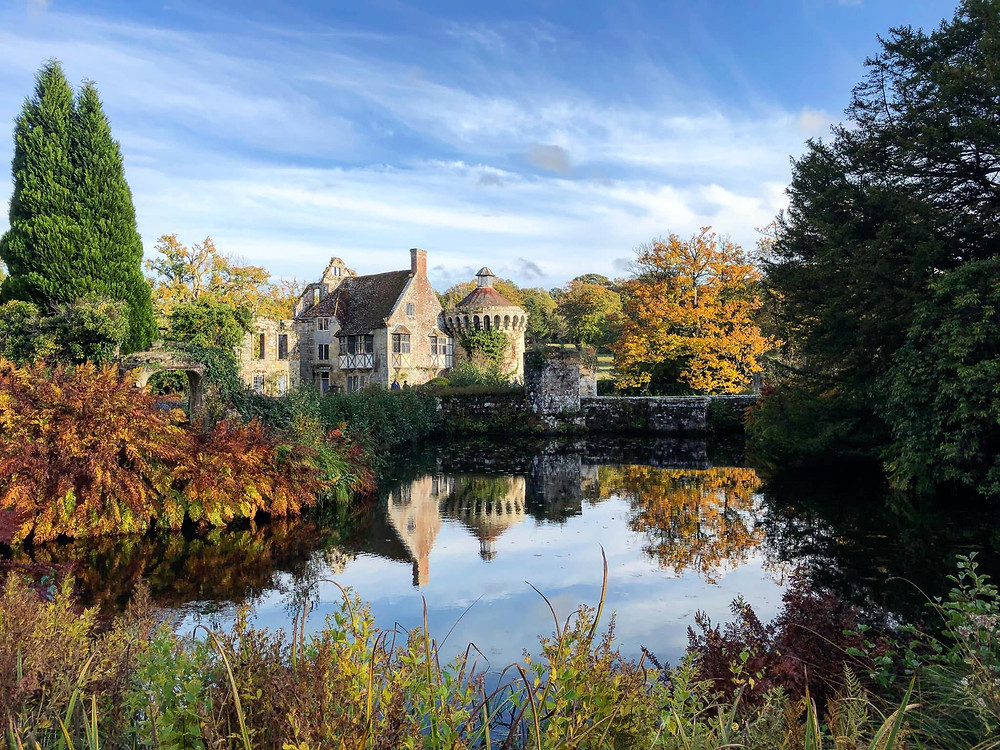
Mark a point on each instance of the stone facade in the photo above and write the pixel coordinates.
(269, 357)
(380, 329)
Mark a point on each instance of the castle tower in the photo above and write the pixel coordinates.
(484, 308)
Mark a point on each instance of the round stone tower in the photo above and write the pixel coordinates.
(485, 308)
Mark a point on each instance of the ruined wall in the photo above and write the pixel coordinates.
(552, 386)
(656, 415)
(265, 371)
(660, 414)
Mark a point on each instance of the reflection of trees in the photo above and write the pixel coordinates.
(222, 566)
(874, 549)
(693, 519)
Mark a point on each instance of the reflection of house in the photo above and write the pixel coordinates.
(486, 505)
(414, 512)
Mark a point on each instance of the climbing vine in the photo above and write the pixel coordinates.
(491, 343)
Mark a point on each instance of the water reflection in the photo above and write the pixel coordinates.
(697, 519)
(459, 525)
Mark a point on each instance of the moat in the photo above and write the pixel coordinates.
(468, 530)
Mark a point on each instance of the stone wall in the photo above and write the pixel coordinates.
(515, 412)
(264, 370)
(657, 414)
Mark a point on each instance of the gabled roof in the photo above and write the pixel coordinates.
(361, 303)
(485, 296)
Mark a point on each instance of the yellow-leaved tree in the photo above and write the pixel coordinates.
(182, 274)
(689, 317)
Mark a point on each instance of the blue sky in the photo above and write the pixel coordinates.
(544, 139)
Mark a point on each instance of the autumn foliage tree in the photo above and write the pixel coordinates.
(689, 316)
(182, 274)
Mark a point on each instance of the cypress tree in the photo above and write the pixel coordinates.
(44, 233)
(110, 253)
(72, 222)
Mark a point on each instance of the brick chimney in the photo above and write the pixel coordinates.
(418, 262)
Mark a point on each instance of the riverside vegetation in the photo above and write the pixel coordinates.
(814, 678)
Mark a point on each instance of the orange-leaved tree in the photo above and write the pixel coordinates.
(689, 316)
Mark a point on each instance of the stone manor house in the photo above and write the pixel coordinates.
(351, 331)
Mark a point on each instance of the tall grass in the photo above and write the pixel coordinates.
(67, 683)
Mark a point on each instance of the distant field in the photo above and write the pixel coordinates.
(605, 367)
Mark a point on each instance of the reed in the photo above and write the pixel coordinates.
(68, 684)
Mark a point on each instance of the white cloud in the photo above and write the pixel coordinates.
(356, 155)
(811, 121)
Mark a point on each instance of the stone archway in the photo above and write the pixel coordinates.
(143, 365)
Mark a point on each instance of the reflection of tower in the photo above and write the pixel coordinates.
(413, 511)
(487, 506)
(556, 486)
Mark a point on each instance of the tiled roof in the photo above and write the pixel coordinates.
(485, 296)
(361, 303)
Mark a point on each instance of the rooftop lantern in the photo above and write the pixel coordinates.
(485, 277)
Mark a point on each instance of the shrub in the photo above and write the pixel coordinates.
(478, 371)
(83, 452)
(50, 649)
(91, 329)
(805, 650)
(379, 417)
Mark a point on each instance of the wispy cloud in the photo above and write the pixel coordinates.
(292, 146)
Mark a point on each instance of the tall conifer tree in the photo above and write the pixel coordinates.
(110, 253)
(44, 232)
(72, 223)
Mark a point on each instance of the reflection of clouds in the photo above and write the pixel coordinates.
(676, 541)
(653, 607)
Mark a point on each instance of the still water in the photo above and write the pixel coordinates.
(470, 531)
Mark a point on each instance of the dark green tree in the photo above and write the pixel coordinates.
(941, 397)
(40, 246)
(908, 189)
(110, 253)
(72, 223)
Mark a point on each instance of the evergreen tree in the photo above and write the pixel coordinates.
(905, 192)
(44, 233)
(72, 223)
(110, 253)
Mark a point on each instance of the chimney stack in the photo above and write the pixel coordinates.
(418, 262)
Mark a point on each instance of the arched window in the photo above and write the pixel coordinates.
(496, 321)
(506, 321)
(487, 322)
(476, 322)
